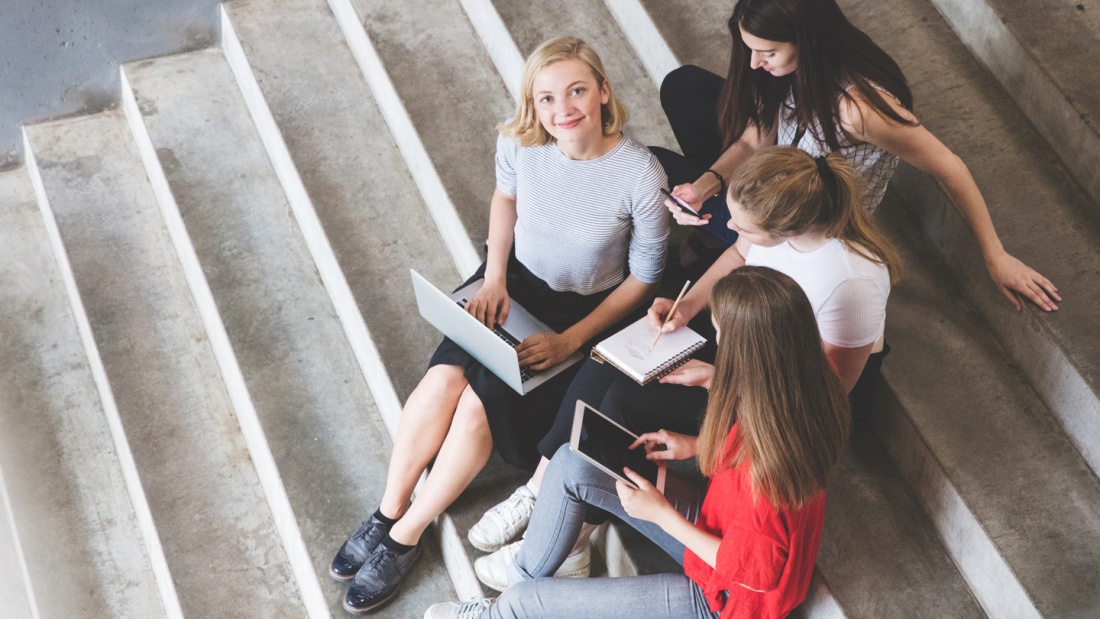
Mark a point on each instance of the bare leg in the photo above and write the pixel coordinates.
(424, 424)
(464, 453)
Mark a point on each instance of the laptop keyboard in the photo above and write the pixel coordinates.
(525, 374)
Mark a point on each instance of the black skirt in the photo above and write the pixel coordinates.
(518, 422)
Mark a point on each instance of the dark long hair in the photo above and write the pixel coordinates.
(832, 54)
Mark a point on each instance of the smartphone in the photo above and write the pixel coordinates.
(680, 203)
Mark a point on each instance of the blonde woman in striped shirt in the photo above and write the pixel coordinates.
(577, 235)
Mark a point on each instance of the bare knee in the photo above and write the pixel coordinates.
(470, 419)
(441, 383)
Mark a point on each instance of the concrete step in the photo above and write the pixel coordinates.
(1042, 53)
(1007, 491)
(15, 586)
(293, 352)
(71, 542)
(880, 555)
(1040, 213)
(355, 180)
(421, 57)
(219, 535)
(351, 169)
(529, 24)
(1019, 177)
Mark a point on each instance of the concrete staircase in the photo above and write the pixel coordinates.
(201, 298)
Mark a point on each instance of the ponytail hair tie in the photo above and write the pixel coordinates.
(828, 177)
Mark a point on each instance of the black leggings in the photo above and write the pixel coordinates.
(689, 96)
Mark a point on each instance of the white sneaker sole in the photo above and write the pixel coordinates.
(583, 571)
(484, 546)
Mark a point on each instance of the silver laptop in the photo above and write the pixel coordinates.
(494, 348)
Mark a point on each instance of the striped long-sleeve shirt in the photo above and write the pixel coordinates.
(581, 224)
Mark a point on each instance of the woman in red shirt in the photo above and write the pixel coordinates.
(776, 423)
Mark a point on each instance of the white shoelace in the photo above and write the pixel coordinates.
(474, 608)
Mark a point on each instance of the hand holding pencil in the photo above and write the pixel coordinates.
(669, 314)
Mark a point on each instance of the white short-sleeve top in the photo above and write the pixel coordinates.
(847, 291)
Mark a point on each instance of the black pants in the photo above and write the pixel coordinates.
(639, 409)
(862, 396)
(689, 96)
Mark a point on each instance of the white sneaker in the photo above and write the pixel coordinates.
(503, 522)
(454, 610)
(495, 571)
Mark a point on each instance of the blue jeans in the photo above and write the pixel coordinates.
(570, 484)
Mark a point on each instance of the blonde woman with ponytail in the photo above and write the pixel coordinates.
(801, 215)
(775, 426)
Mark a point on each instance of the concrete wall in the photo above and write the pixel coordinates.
(61, 57)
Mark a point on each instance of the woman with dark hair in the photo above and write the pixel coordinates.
(801, 74)
(776, 424)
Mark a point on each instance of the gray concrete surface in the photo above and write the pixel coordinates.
(62, 56)
(983, 434)
(367, 202)
(880, 553)
(212, 517)
(533, 23)
(14, 595)
(695, 31)
(1045, 54)
(287, 337)
(451, 90)
(79, 533)
(1042, 216)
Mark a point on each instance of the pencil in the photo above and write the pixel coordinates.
(670, 313)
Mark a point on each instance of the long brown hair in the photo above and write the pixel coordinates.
(525, 126)
(832, 54)
(771, 377)
(786, 192)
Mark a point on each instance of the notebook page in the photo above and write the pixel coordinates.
(630, 350)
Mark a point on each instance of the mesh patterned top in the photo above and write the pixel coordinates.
(873, 164)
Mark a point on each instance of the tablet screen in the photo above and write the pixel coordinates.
(608, 443)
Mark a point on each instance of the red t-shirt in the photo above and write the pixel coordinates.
(766, 557)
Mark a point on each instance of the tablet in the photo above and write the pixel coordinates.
(606, 445)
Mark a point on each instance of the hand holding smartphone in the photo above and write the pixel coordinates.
(683, 206)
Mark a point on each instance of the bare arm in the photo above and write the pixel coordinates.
(698, 297)
(703, 544)
(751, 141)
(545, 349)
(502, 229)
(922, 150)
(727, 163)
(490, 305)
(646, 503)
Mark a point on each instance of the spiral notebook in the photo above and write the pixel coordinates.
(629, 350)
